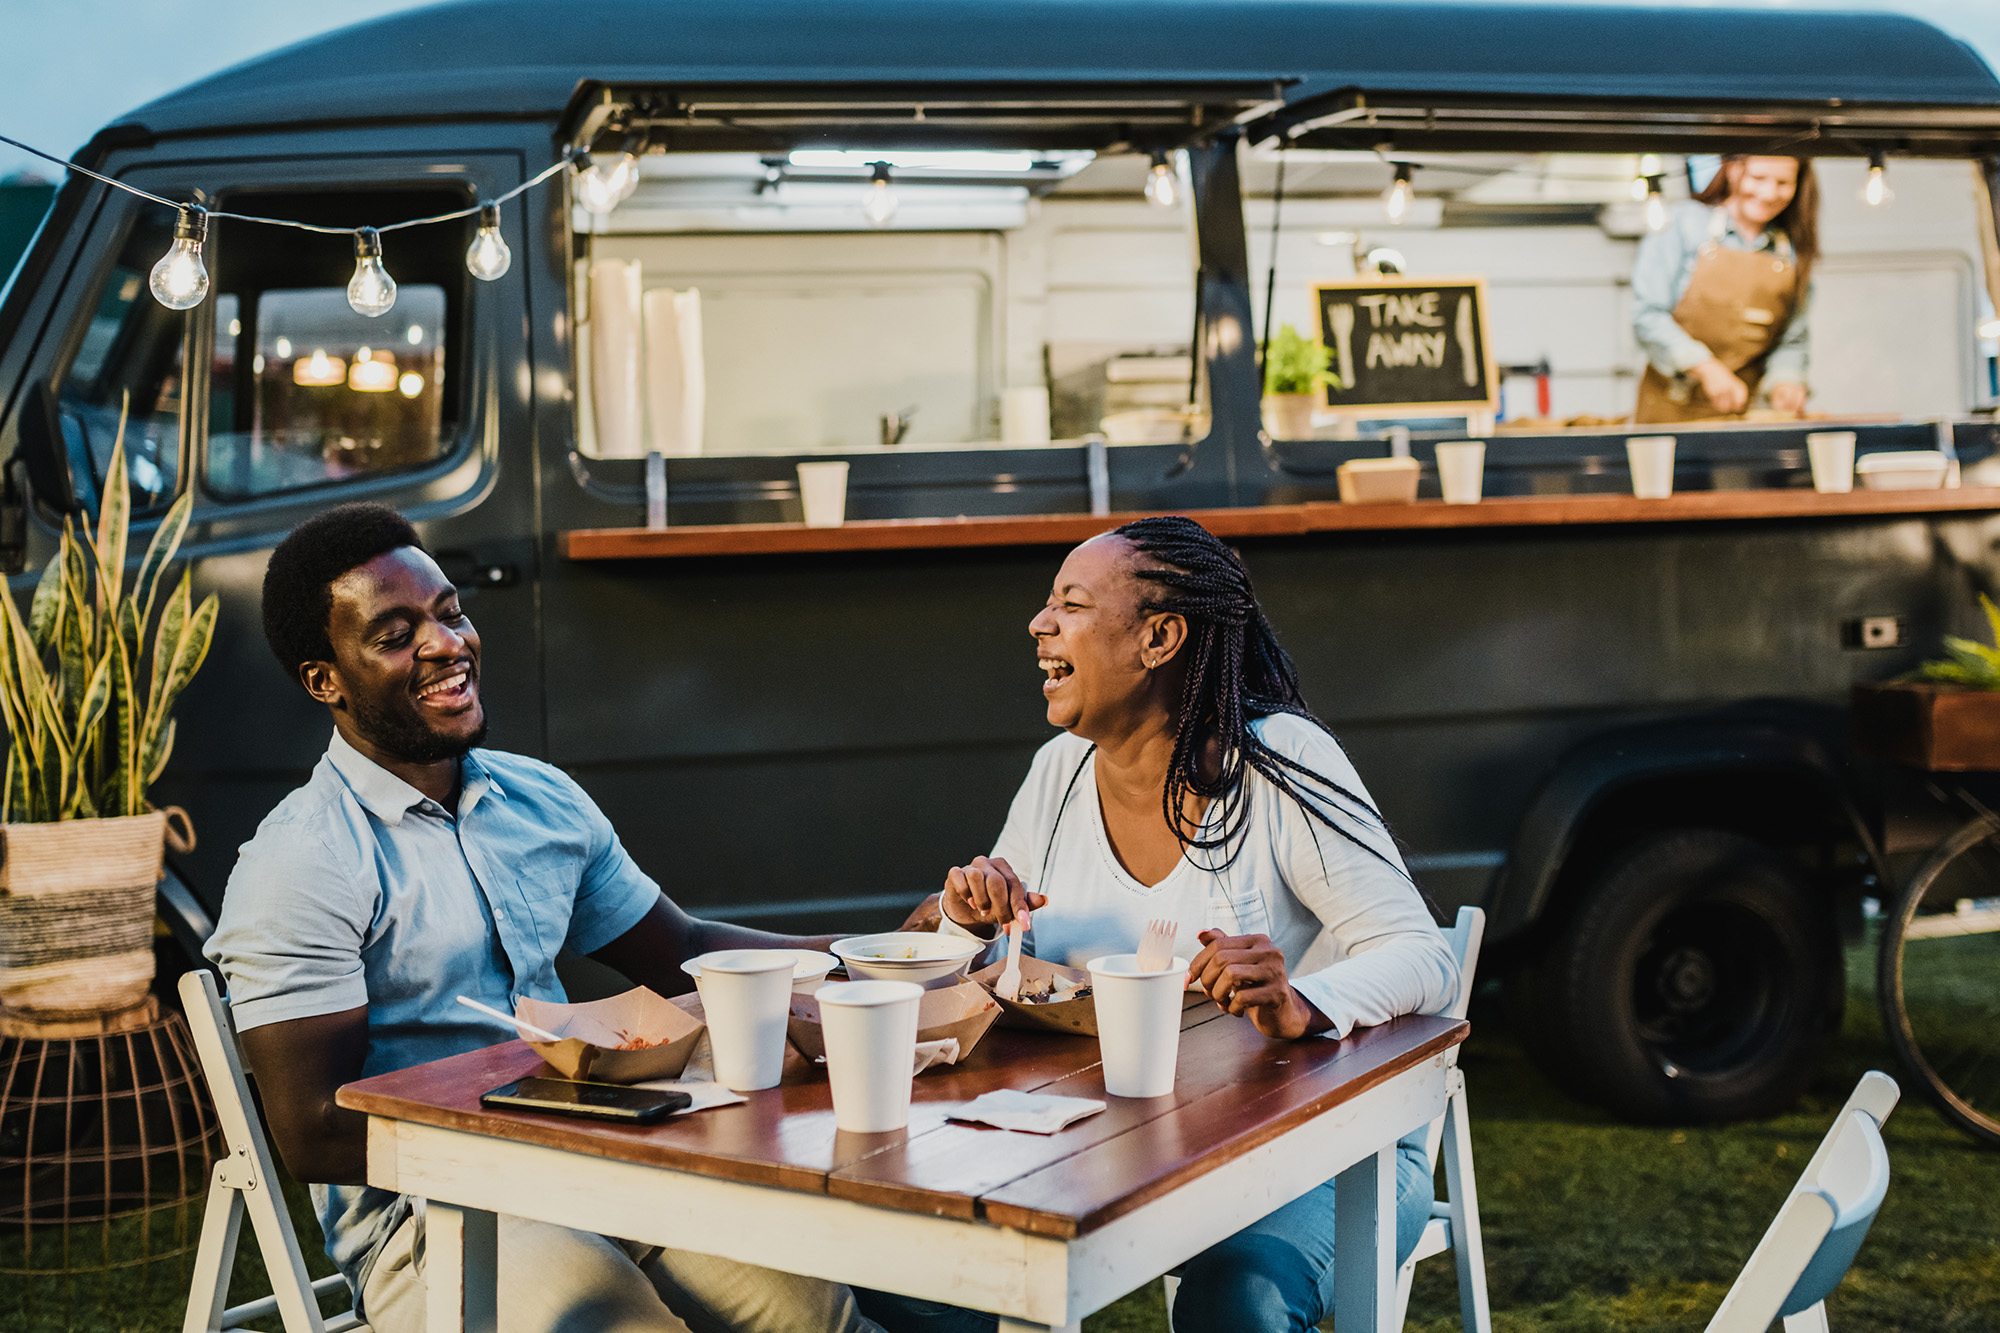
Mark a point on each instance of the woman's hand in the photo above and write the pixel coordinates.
(1725, 391)
(1789, 397)
(987, 893)
(1245, 974)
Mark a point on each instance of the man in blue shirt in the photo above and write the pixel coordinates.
(414, 867)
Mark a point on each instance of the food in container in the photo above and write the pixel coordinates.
(1378, 480)
(931, 960)
(963, 1011)
(624, 1039)
(1902, 470)
(1062, 998)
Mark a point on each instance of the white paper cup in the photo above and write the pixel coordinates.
(1462, 470)
(1024, 415)
(746, 995)
(1832, 455)
(871, 1043)
(1651, 458)
(1138, 1024)
(823, 492)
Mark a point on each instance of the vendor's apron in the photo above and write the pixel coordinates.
(1737, 304)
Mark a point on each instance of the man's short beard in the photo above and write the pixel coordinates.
(408, 738)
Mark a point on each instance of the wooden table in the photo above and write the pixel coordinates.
(1040, 1230)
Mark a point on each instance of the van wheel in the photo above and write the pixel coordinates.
(1695, 980)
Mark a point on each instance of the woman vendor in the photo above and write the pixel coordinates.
(1193, 783)
(1720, 294)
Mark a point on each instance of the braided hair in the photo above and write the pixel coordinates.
(1237, 673)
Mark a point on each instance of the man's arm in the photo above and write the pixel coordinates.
(299, 1065)
(651, 952)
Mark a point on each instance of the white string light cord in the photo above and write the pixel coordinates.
(180, 279)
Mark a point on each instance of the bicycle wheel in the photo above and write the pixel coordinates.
(1939, 978)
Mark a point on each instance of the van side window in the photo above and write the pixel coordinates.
(305, 391)
(130, 351)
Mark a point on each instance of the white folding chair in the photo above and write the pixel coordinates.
(245, 1180)
(1813, 1240)
(1454, 1222)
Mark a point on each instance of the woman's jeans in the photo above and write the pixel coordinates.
(1274, 1276)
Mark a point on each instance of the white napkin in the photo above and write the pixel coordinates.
(705, 1093)
(943, 1051)
(1033, 1112)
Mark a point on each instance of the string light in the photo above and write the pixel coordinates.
(1162, 190)
(608, 181)
(1396, 199)
(488, 258)
(1656, 205)
(371, 291)
(1875, 192)
(1649, 167)
(881, 202)
(180, 280)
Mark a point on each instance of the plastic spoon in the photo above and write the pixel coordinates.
(1009, 985)
(521, 1023)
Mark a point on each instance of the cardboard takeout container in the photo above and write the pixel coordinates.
(1076, 1017)
(594, 1032)
(963, 1011)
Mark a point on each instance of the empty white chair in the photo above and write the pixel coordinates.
(1819, 1230)
(245, 1181)
(1454, 1222)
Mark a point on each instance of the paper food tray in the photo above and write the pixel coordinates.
(963, 1011)
(1077, 1017)
(593, 1032)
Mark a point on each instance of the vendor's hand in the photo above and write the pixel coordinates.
(987, 893)
(1789, 397)
(925, 918)
(1725, 391)
(1245, 974)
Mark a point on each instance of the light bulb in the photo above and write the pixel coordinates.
(371, 291)
(1656, 206)
(1649, 167)
(881, 203)
(1396, 200)
(180, 279)
(1162, 190)
(489, 256)
(1875, 192)
(608, 181)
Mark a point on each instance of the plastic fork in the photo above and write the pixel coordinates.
(1009, 985)
(1156, 945)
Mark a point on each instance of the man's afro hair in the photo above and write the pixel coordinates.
(298, 585)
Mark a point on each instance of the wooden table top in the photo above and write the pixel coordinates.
(1235, 1091)
(1283, 520)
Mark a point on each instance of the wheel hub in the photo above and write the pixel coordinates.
(1686, 979)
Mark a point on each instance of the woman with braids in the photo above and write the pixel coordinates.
(1192, 782)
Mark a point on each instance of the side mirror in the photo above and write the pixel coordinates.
(41, 449)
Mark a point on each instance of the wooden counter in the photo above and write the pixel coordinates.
(1264, 521)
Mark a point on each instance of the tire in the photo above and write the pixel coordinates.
(1696, 980)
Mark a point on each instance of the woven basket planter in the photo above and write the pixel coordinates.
(76, 912)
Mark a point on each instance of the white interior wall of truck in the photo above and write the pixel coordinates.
(810, 338)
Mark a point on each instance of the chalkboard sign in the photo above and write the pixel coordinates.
(1407, 344)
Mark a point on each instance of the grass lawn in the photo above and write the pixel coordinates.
(1590, 1225)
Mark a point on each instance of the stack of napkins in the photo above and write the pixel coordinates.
(1034, 1112)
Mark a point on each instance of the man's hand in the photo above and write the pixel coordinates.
(1245, 974)
(1729, 394)
(987, 893)
(1789, 397)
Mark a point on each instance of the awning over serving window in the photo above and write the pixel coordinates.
(1101, 72)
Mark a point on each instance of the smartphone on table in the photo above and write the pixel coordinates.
(588, 1101)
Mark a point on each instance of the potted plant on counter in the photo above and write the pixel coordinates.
(88, 683)
(1945, 715)
(1296, 372)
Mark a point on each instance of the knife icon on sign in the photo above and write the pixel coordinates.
(1465, 348)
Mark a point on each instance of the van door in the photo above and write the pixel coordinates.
(273, 400)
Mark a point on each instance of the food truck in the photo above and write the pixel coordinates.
(1014, 265)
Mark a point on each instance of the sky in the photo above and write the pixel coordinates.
(80, 63)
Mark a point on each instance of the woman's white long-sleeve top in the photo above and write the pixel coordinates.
(1357, 939)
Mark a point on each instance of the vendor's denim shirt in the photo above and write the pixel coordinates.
(360, 890)
(1660, 279)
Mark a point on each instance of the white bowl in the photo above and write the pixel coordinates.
(932, 961)
(1902, 470)
(809, 968)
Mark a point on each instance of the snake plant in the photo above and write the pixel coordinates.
(87, 701)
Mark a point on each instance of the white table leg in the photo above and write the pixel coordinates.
(1364, 1245)
(461, 1265)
